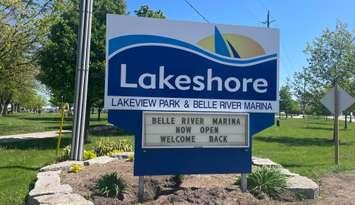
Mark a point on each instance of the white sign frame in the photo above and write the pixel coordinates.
(247, 131)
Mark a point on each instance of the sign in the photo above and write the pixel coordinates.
(345, 100)
(191, 130)
(160, 71)
(170, 66)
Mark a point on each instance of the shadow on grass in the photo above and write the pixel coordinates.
(318, 128)
(297, 141)
(46, 119)
(326, 122)
(107, 131)
(20, 167)
(39, 144)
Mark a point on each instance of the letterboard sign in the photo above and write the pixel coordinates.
(193, 94)
(194, 130)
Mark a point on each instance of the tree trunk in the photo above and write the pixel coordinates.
(99, 109)
(4, 108)
(346, 121)
(351, 117)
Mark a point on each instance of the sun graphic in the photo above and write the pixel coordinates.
(232, 45)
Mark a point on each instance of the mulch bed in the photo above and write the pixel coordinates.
(194, 189)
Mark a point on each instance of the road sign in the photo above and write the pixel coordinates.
(160, 72)
(345, 100)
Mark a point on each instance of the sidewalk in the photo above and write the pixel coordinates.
(30, 136)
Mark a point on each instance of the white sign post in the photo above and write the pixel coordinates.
(337, 100)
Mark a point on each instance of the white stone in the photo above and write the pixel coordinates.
(65, 165)
(99, 160)
(264, 162)
(304, 186)
(287, 172)
(59, 199)
(49, 183)
(51, 189)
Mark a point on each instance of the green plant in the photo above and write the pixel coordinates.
(88, 154)
(105, 147)
(115, 152)
(177, 179)
(111, 185)
(130, 158)
(75, 168)
(65, 153)
(266, 180)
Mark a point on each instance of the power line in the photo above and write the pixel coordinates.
(197, 11)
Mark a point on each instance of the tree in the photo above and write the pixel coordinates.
(23, 25)
(57, 56)
(332, 59)
(301, 85)
(144, 11)
(285, 100)
(331, 56)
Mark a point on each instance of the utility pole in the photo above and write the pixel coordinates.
(81, 79)
(268, 20)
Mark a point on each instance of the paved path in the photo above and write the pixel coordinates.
(30, 136)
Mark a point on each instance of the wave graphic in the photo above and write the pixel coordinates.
(121, 43)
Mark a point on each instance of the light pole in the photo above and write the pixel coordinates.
(81, 79)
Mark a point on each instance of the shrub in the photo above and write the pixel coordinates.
(130, 158)
(114, 152)
(177, 179)
(65, 153)
(105, 147)
(265, 180)
(75, 168)
(89, 154)
(111, 185)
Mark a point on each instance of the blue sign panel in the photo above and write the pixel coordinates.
(172, 67)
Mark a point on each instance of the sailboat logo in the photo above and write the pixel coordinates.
(231, 45)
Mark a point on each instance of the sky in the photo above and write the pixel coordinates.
(299, 21)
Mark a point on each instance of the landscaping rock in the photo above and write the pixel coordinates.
(60, 166)
(287, 172)
(264, 162)
(59, 199)
(49, 183)
(303, 186)
(99, 160)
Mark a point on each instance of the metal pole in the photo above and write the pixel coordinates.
(140, 189)
(336, 124)
(243, 182)
(81, 81)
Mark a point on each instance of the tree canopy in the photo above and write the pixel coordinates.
(23, 26)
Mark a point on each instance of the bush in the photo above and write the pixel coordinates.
(106, 147)
(65, 153)
(111, 185)
(177, 179)
(89, 154)
(75, 168)
(130, 158)
(265, 180)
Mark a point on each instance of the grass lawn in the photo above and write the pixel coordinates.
(20, 161)
(306, 146)
(303, 146)
(18, 123)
